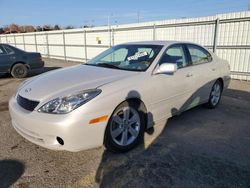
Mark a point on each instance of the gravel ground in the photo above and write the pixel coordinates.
(199, 148)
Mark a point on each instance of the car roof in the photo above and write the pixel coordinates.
(161, 42)
(5, 44)
(9, 45)
(166, 43)
(157, 42)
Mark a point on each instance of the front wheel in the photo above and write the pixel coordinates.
(215, 95)
(125, 128)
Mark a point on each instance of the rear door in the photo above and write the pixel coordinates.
(204, 72)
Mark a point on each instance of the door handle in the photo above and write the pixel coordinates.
(189, 75)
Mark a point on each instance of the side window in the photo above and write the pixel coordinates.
(175, 54)
(117, 56)
(198, 54)
(8, 50)
(2, 51)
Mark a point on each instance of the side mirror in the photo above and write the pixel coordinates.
(166, 68)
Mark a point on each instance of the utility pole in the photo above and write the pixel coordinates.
(108, 20)
(109, 30)
(138, 16)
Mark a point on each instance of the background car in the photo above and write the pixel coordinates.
(18, 62)
(116, 96)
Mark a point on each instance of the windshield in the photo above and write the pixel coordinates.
(133, 57)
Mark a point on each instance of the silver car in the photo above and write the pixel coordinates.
(113, 98)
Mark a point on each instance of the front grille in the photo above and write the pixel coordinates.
(26, 103)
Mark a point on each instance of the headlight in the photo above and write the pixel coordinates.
(63, 105)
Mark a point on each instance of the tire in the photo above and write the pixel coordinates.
(126, 127)
(215, 95)
(19, 70)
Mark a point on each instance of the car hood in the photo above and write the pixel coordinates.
(63, 82)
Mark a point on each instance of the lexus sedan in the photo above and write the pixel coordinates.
(116, 96)
(18, 62)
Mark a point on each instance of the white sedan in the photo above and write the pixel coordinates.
(113, 98)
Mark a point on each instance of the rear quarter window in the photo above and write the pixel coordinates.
(2, 51)
(198, 54)
(8, 50)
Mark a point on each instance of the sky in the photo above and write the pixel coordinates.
(78, 13)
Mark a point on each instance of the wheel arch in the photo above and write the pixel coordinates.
(222, 82)
(135, 100)
(19, 62)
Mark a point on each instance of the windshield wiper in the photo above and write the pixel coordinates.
(108, 65)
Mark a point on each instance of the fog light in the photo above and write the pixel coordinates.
(60, 141)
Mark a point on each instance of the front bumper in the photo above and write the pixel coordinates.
(43, 129)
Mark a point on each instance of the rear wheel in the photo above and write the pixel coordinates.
(19, 70)
(125, 128)
(215, 95)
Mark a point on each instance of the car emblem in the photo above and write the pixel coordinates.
(27, 90)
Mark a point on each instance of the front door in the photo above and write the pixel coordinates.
(172, 92)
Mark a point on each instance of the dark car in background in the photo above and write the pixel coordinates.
(18, 62)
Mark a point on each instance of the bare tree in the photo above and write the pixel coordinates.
(1, 30)
(29, 28)
(6, 29)
(13, 28)
(47, 28)
(57, 27)
(69, 27)
(21, 29)
(39, 28)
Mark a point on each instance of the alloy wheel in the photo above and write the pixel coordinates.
(125, 126)
(215, 94)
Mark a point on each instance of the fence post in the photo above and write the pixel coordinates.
(110, 36)
(47, 44)
(154, 37)
(216, 32)
(14, 39)
(6, 38)
(35, 42)
(24, 43)
(85, 46)
(113, 37)
(64, 47)
(0, 39)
